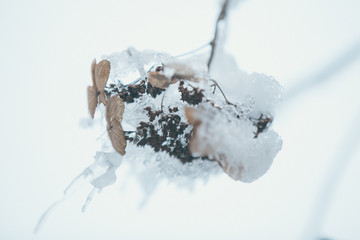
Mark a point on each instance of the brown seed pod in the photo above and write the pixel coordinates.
(92, 100)
(114, 109)
(102, 71)
(116, 135)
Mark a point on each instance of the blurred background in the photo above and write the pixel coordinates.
(312, 47)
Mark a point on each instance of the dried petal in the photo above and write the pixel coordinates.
(198, 145)
(159, 80)
(114, 109)
(102, 98)
(102, 71)
(116, 135)
(93, 65)
(92, 100)
(233, 171)
(192, 115)
(181, 72)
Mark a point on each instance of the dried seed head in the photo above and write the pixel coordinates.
(116, 135)
(114, 109)
(92, 100)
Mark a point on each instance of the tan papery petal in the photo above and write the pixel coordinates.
(114, 109)
(93, 65)
(233, 171)
(92, 100)
(159, 80)
(102, 71)
(117, 137)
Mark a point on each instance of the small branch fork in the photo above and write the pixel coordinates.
(222, 16)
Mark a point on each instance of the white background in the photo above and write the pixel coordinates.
(312, 189)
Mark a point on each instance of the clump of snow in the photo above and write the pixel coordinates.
(264, 90)
(131, 62)
(231, 142)
(231, 131)
(152, 167)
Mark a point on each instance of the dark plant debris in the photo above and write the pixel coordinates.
(165, 131)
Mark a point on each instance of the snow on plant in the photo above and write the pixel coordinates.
(174, 121)
(175, 114)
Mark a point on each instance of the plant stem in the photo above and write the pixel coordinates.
(221, 16)
(217, 85)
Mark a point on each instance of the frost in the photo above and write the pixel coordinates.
(265, 91)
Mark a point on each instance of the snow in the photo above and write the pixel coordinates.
(253, 95)
(233, 140)
(127, 63)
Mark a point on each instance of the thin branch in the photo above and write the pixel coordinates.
(192, 51)
(221, 16)
(217, 85)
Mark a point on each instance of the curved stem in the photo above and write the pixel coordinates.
(221, 16)
(217, 85)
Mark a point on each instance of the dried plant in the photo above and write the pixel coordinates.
(114, 112)
(102, 71)
(183, 128)
(173, 121)
(92, 100)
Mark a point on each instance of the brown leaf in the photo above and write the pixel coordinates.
(114, 109)
(92, 100)
(116, 135)
(93, 65)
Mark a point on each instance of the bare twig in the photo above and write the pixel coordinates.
(221, 16)
(217, 85)
(192, 51)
